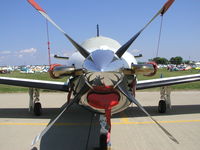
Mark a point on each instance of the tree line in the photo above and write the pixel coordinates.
(174, 60)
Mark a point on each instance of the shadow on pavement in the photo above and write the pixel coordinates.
(153, 110)
(76, 129)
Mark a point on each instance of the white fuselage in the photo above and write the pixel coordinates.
(102, 67)
(100, 43)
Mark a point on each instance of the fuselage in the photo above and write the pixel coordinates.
(101, 43)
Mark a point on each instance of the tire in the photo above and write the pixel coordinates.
(162, 106)
(103, 142)
(37, 109)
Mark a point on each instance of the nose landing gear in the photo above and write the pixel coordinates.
(105, 123)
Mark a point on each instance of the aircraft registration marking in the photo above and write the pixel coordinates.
(113, 123)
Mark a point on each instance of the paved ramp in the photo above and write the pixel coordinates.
(77, 129)
(131, 129)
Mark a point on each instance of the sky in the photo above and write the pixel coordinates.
(23, 39)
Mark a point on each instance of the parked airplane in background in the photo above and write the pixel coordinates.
(102, 77)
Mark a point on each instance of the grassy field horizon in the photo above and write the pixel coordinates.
(45, 76)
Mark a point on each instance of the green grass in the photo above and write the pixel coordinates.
(45, 76)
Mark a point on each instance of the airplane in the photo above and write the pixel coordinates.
(102, 77)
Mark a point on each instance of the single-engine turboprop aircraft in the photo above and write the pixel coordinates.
(102, 77)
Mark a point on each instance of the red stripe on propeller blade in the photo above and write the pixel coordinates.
(166, 6)
(35, 5)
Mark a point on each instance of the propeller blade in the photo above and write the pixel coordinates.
(39, 136)
(76, 99)
(133, 100)
(83, 51)
(124, 47)
(166, 6)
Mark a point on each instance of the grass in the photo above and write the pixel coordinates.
(45, 76)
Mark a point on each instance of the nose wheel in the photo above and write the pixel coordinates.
(103, 142)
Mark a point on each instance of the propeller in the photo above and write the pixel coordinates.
(124, 47)
(76, 99)
(83, 51)
(131, 98)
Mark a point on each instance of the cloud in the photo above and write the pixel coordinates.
(30, 50)
(20, 55)
(5, 52)
(23, 51)
(1, 58)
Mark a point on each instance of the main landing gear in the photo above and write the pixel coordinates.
(165, 102)
(34, 104)
(162, 106)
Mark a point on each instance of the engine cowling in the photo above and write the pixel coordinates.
(148, 69)
(58, 71)
(155, 66)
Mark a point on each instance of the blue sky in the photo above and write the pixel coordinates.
(23, 29)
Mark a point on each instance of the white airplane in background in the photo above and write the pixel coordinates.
(102, 78)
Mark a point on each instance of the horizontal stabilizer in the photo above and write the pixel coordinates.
(60, 57)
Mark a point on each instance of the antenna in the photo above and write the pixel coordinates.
(159, 37)
(48, 42)
(97, 30)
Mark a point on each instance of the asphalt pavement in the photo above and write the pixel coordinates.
(78, 128)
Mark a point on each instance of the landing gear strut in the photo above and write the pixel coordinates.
(165, 102)
(34, 104)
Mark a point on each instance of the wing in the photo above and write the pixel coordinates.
(167, 81)
(41, 84)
